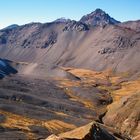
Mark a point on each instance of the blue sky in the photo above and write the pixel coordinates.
(26, 11)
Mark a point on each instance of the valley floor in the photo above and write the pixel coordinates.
(33, 108)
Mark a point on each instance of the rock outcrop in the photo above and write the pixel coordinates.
(92, 131)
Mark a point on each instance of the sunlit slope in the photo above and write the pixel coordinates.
(111, 47)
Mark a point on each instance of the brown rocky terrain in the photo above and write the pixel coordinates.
(74, 44)
(92, 131)
(77, 80)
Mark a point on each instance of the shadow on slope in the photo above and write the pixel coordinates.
(6, 68)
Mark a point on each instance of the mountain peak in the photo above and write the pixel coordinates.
(98, 18)
(98, 10)
(62, 20)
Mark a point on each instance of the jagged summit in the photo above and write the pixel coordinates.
(98, 10)
(98, 18)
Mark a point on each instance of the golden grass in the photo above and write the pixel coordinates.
(119, 89)
(20, 122)
(91, 78)
(127, 89)
(84, 73)
(88, 78)
(78, 133)
(56, 126)
(114, 79)
(23, 123)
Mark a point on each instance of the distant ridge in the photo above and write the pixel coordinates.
(62, 20)
(11, 26)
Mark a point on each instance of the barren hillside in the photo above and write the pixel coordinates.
(73, 79)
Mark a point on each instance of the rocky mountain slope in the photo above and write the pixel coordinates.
(75, 44)
(70, 73)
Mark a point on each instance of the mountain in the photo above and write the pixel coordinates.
(73, 44)
(98, 18)
(11, 26)
(71, 73)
